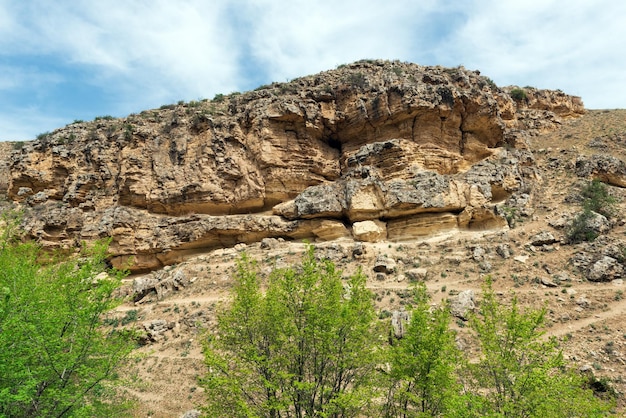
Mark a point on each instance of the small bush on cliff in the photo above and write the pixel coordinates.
(490, 83)
(518, 94)
(596, 200)
(357, 80)
(581, 229)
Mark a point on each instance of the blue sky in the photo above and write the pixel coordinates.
(65, 60)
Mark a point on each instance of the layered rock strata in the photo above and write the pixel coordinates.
(416, 150)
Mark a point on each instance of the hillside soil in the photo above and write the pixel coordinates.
(587, 317)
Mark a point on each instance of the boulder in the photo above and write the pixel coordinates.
(605, 269)
(384, 264)
(478, 253)
(416, 274)
(194, 413)
(328, 230)
(369, 231)
(463, 304)
(399, 322)
(504, 251)
(160, 283)
(542, 238)
(547, 282)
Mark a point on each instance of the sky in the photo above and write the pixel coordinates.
(67, 60)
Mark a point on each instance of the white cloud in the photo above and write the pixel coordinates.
(161, 47)
(571, 45)
(142, 54)
(301, 37)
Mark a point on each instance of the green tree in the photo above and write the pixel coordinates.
(54, 355)
(423, 379)
(304, 348)
(520, 373)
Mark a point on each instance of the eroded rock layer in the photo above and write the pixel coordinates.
(417, 150)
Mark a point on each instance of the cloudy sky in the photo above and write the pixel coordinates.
(64, 60)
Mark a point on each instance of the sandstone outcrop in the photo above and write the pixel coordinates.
(606, 168)
(416, 150)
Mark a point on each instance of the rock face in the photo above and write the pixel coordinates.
(416, 150)
(606, 168)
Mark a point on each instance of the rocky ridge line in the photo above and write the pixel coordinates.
(372, 150)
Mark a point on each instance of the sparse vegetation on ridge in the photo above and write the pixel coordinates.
(596, 201)
(518, 94)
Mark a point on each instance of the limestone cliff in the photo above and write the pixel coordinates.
(415, 149)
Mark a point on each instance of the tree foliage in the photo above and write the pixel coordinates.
(54, 356)
(305, 347)
(309, 346)
(520, 373)
(518, 94)
(423, 363)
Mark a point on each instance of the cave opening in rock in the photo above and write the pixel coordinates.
(334, 143)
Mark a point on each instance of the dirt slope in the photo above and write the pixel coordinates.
(589, 318)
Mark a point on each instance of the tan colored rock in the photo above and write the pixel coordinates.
(369, 231)
(554, 101)
(371, 140)
(364, 200)
(481, 218)
(328, 230)
(606, 168)
(421, 226)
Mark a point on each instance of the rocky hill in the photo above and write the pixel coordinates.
(373, 150)
(409, 172)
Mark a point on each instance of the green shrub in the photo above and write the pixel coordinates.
(131, 316)
(43, 136)
(518, 94)
(305, 347)
(519, 372)
(511, 215)
(357, 80)
(129, 130)
(580, 230)
(490, 83)
(597, 199)
(423, 363)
